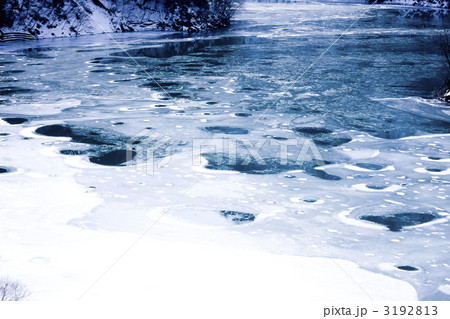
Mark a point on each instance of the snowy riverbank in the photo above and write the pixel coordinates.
(419, 3)
(46, 19)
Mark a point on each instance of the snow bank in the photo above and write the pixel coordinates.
(421, 3)
(61, 18)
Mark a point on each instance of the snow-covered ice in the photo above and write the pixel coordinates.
(275, 232)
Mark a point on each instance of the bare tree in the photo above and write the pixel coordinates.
(12, 290)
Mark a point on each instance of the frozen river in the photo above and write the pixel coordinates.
(378, 198)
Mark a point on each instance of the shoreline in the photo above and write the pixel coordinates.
(20, 35)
